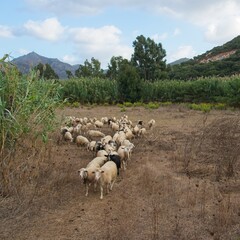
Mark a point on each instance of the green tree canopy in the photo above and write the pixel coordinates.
(129, 83)
(46, 71)
(114, 66)
(90, 69)
(148, 58)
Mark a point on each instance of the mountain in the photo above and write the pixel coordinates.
(26, 62)
(220, 61)
(220, 52)
(179, 61)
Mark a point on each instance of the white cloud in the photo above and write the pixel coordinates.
(176, 32)
(71, 59)
(49, 29)
(222, 31)
(159, 38)
(217, 18)
(101, 43)
(5, 32)
(186, 51)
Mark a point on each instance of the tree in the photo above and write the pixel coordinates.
(46, 71)
(129, 83)
(148, 58)
(114, 66)
(90, 69)
(69, 74)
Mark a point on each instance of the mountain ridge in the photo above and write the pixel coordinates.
(32, 59)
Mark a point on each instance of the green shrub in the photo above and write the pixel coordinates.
(27, 107)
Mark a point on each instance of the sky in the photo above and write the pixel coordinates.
(76, 30)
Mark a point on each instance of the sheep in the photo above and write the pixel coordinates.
(67, 136)
(136, 130)
(126, 143)
(151, 123)
(91, 146)
(142, 132)
(106, 139)
(101, 153)
(108, 148)
(104, 120)
(124, 153)
(98, 124)
(87, 175)
(95, 133)
(129, 134)
(113, 156)
(106, 176)
(77, 129)
(114, 126)
(82, 141)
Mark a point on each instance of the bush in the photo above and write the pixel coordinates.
(27, 106)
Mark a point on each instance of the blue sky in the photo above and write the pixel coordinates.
(76, 30)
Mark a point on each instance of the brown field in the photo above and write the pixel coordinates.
(183, 182)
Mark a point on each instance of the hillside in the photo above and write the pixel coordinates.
(26, 62)
(220, 61)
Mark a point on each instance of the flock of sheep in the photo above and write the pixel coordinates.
(110, 152)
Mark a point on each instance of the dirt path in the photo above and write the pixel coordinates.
(153, 199)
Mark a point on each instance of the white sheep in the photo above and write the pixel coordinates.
(106, 176)
(68, 136)
(151, 123)
(101, 153)
(95, 133)
(106, 139)
(87, 174)
(82, 141)
(91, 146)
(98, 124)
(125, 153)
(114, 126)
(142, 132)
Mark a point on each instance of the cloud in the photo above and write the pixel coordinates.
(230, 28)
(176, 32)
(101, 43)
(5, 32)
(49, 29)
(159, 38)
(186, 51)
(72, 7)
(218, 19)
(71, 59)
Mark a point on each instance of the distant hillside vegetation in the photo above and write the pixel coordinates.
(220, 61)
(179, 61)
(26, 62)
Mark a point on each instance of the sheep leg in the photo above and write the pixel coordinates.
(124, 165)
(107, 185)
(101, 190)
(111, 185)
(95, 186)
(86, 187)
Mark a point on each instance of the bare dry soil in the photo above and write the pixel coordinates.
(183, 182)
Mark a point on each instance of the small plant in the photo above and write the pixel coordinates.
(166, 104)
(128, 104)
(75, 104)
(205, 107)
(123, 109)
(138, 104)
(220, 106)
(152, 105)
